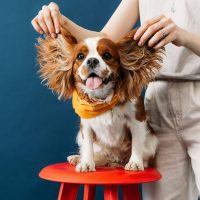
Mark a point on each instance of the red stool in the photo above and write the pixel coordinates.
(109, 177)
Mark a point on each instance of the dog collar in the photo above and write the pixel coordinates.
(89, 110)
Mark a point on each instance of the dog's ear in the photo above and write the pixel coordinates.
(55, 57)
(139, 65)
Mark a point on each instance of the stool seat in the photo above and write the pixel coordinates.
(65, 173)
(109, 177)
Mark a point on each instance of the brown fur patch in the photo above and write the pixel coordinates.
(85, 71)
(140, 110)
(56, 62)
(105, 45)
(94, 137)
(104, 73)
(139, 65)
(80, 48)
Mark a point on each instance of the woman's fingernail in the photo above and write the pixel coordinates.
(140, 44)
(41, 32)
(135, 37)
(57, 30)
(53, 35)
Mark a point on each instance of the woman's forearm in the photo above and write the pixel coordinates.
(79, 32)
(123, 19)
(192, 41)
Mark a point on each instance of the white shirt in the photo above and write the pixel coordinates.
(179, 62)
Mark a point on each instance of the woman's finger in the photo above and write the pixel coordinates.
(42, 22)
(36, 26)
(146, 25)
(48, 20)
(53, 5)
(161, 35)
(56, 19)
(55, 13)
(164, 41)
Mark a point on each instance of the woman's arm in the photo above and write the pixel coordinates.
(49, 20)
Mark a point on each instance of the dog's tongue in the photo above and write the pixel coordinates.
(93, 82)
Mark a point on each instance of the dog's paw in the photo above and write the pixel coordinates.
(74, 159)
(134, 166)
(85, 167)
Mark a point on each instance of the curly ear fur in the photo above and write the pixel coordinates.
(139, 65)
(55, 60)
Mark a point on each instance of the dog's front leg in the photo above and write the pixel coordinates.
(138, 132)
(86, 151)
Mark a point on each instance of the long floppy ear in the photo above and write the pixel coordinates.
(56, 62)
(139, 65)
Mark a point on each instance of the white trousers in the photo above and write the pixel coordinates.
(174, 109)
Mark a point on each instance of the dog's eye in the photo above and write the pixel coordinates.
(107, 56)
(80, 56)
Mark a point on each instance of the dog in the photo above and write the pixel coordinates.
(104, 79)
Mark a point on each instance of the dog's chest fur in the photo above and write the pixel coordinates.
(110, 128)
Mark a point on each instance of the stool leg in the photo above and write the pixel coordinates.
(131, 192)
(89, 192)
(68, 191)
(110, 192)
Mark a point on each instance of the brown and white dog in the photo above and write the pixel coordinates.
(99, 69)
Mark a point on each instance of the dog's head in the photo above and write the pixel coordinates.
(97, 68)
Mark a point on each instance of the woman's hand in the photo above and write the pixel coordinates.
(48, 20)
(160, 31)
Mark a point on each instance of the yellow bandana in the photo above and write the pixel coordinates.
(90, 110)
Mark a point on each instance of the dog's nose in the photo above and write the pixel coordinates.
(92, 62)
